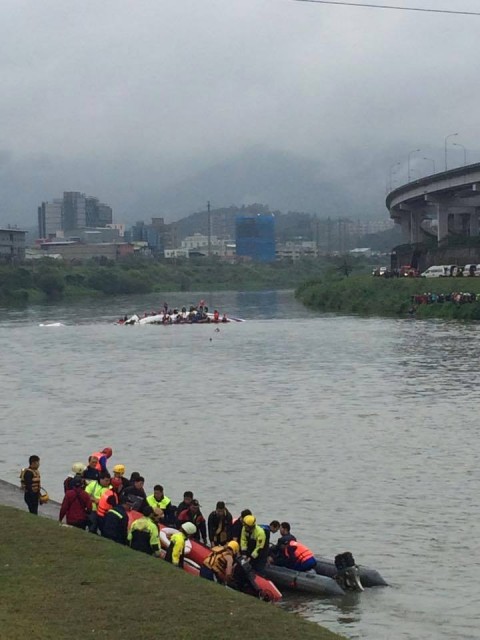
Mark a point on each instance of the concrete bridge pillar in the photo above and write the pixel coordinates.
(474, 222)
(405, 226)
(415, 229)
(442, 221)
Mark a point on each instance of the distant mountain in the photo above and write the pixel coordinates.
(138, 188)
(281, 180)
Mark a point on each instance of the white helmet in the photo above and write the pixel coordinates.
(189, 528)
(78, 467)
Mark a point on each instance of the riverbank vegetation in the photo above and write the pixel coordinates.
(49, 280)
(62, 583)
(366, 295)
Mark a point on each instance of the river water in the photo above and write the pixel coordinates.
(363, 433)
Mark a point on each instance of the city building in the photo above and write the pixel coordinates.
(74, 211)
(50, 219)
(12, 245)
(158, 235)
(255, 237)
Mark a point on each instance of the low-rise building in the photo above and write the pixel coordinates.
(79, 252)
(170, 254)
(12, 245)
(294, 250)
(200, 244)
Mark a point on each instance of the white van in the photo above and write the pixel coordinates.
(471, 269)
(440, 271)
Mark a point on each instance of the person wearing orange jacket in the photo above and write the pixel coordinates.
(102, 457)
(108, 499)
(292, 554)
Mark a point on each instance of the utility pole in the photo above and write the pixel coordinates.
(209, 230)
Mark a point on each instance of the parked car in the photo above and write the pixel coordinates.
(471, 270)
(380, 271)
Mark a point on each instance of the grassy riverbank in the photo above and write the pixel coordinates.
(366, 295)
(50, 280)
(64, 583)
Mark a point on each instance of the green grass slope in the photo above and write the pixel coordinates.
(366, 295)
(58, 583)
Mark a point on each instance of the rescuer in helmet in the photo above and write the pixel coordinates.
(253, 543)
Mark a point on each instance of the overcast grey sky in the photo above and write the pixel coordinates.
(120, 98)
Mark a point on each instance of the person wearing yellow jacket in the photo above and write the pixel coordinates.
(143, 534)
(95, 489)
(253, 543)
(158, 500)
(176, 550)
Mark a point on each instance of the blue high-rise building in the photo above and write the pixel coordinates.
(255, 237)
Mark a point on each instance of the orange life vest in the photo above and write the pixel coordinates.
(35, 480)
(103, 505)
(216, 560)
(98, 455)
(302, 553)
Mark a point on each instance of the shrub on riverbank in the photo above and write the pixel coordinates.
(64, 583)
(52, 280)
(366, 295)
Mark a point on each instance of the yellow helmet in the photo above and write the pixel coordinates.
(249, 521)
(234, 546)
(119, 468)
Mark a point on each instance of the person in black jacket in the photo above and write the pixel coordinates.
(238, 524)
(115, 523)
(219, 525)
(135, 493)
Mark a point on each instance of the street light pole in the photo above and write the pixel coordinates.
(409, 156)
(457, 144)
(450, 135)
(396, 164)
(209, 230)
(432, 161)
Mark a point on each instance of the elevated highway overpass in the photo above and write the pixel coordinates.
(442, 204)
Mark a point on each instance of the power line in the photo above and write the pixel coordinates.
(393, 7)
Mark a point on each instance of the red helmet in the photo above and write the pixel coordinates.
(107, 451)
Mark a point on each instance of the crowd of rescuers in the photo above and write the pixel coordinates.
(99, 502)
(198, 314)
(457, 297)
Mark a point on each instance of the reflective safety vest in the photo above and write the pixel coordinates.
(176, 550)
(95, 490)
(143, 535)
(256, 538)
(300, 551)
(103, 504)
(159, 504)
(35, 479)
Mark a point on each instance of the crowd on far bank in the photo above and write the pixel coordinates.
(457, 297)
